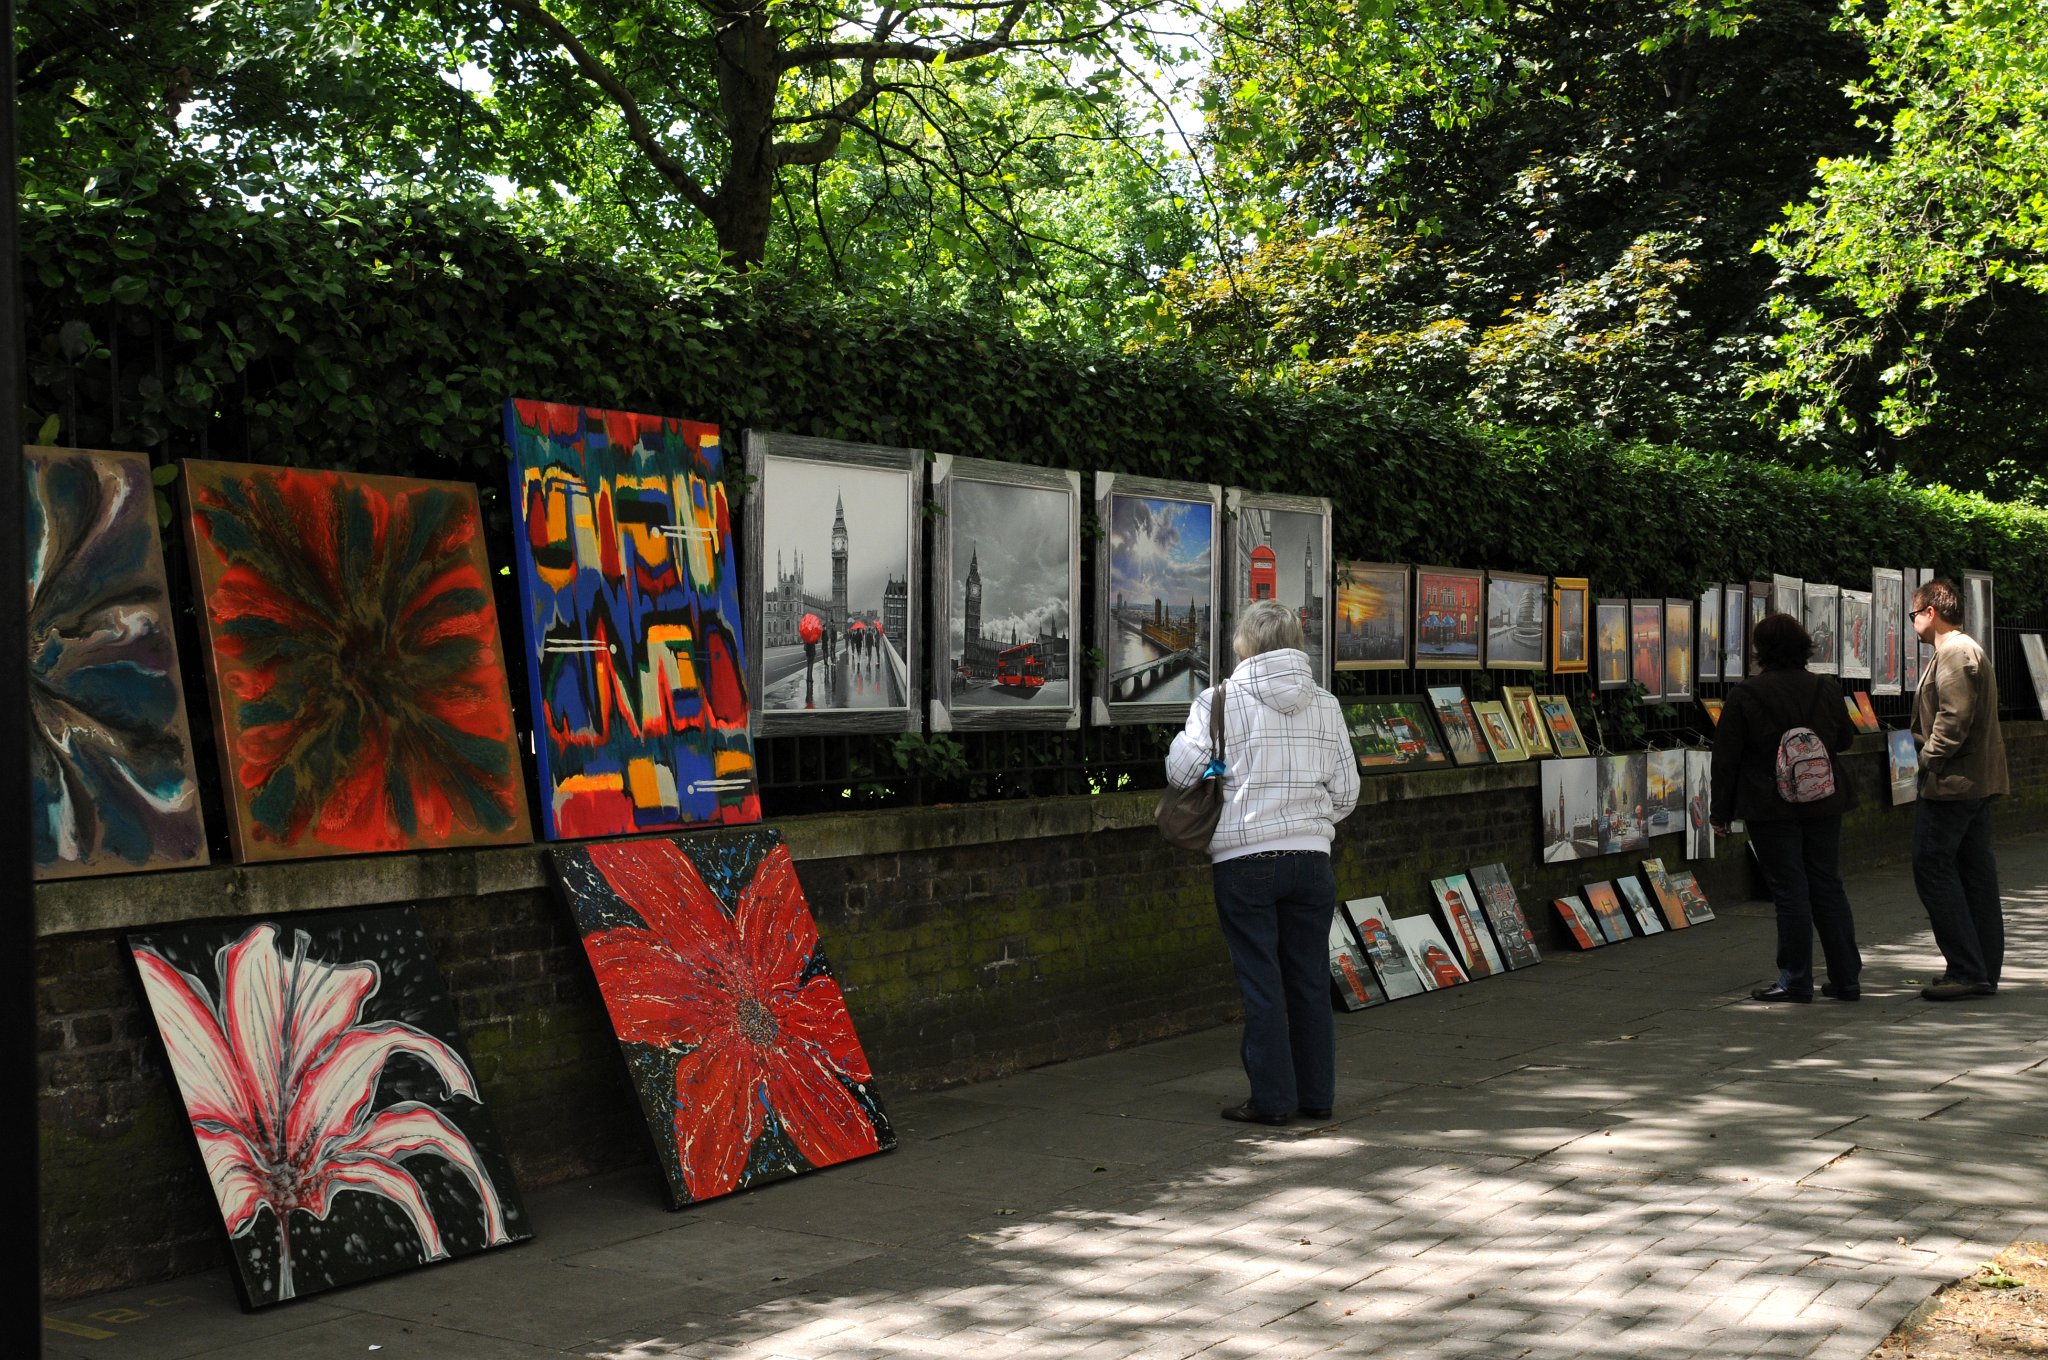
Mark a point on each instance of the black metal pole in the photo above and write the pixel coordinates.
(23, 1319)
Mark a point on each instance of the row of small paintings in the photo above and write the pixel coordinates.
(1414, 733)
(1476, 929)
(1608, 912)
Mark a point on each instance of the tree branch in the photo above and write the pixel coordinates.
(816, 54)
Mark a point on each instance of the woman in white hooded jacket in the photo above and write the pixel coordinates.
(1289, 778)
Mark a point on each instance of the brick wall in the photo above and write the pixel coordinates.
(971, 941)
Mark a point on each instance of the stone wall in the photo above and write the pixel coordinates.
(971, 941)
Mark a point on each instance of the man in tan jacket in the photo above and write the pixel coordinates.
(1962, 768)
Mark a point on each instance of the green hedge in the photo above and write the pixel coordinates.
(388, 344)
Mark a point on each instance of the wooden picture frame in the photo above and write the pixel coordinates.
(1520, 701)
(1394, 734)
(1571, 617)
(1372, 617)
(1157, 654)
(1501, 737)
(1263, 529)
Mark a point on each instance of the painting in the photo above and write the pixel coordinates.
(1578, 922)
(1427, 952)
(1788, 595)
(1823, 618)
(1610, 636)
(336, 1110)
(1520, 701)
(837, 634)
(1902, 759)
(1351, 979)
(1462, 733)
(1692, 898)
(1762, 594)
(359, 692)
(1280, 550)
(1006, 595)
(1624, 791)
(1664, 791)
(1675, 915)
(1607, 912)
(1156, 584)
(1699, 804)
(2037, 668)
(1449, 620)
(1918, 655)
(1734, 630)
(1856, 634)
(1517, 621)
(1571, 612)
(1569, 796)
(1887, 629)
(1978, 606)
(1712, 708)
(1372, 617)
(1678, 650)
(734, 1031)
(1369, 923)
(1637, 900)
(112, 786)
(1504, 914)
(1646, 647)
(1394, 734)
(1861, 714)
(1465, 927)
(1709, 631)
(1562, 725)
(1499, 728)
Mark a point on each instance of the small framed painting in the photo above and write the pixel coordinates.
(1734, 630)
(1570, 612)
(1709, 667)
(1856, 631)
(1515, 621)
(1462, 733)
(1501, 737)
(1678, 650)
(1823, 616)
(1977, 610)
(1887, 629)
(1787, 595)
(1394, 734)
(1450, 623)
(1610, 634)
(1646, 647)
(1520, 701)
(1156, 587)
(1280, 550)
(1562, 724)
(1372, 617)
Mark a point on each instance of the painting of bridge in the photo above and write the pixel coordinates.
(1158, 623)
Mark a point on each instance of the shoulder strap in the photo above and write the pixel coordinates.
(1216, 719)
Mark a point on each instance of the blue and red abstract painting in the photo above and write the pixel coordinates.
(630, 597)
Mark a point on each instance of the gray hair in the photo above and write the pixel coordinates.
(1267, 626)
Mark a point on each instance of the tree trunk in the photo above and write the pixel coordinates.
(747, 77)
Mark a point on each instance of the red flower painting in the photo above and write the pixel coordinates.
(726, 985)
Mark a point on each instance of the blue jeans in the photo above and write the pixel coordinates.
(1276, 921)
(1957, 876)
(1801, 858)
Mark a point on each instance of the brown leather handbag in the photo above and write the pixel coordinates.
(1187, 817)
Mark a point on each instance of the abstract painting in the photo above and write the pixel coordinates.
(1372, 616)
(1280, 550)
(1646, 647)
(1709, 667)
(1699, 801)
(1678, 650)
(1610, 644)
(1570, 610)
(1570, 804)
(1394, 734)
(1887, 629)
(1692, 898)
(1607, 911)
(1450, 623)
(1578, 922)
(1529, 725)
(1861, 714)
(1433, 960)
(1462, 734)
(1465, 926)
(1624, 791)
(111, 780)
(838, 638)
(1157, 586)
(1637, 901)
(1504, 914)
(359, 692)
(1369, 923)
(1563, 725)
(1006, 594)
(336, 1111)
(734, 1031)
(1664, 791)
(1856, 634)
(1823, 618)
(1517, 623)
(1660, 883)
(1499, 730)
(1351, 979)
(1903, 759)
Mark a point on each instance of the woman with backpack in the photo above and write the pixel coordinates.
(1774, 767)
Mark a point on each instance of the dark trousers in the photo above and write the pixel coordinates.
(1801, 859)
(1957, 876)
(1276, 916)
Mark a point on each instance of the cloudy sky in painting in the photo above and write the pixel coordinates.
(1160, 549)
(1019, 536)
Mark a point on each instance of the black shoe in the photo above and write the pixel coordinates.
(1315, 1112)
(1776, 992)
(1245, 1114)
(1841, 993)
(1957, 991)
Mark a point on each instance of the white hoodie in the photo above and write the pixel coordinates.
(1290, 777)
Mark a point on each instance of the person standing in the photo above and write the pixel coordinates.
(1962, 768)
(1798, 843)
(1289, 778)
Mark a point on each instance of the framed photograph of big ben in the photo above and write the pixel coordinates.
(1156, 589)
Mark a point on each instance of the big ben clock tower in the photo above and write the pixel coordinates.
(839, 615)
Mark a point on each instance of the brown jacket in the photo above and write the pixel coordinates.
(1955, 722)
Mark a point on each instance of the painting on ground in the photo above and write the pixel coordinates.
(1646, 647)
(1637, 899)
(1734, 621)
(1351, 978)
(1462, 734)
(734, 1031)
(1887, 629)
(1464, 926)
(359, 693)
(1156, 590)
(1504, 914)
(1280, 550)
(1624, 793)
(1432, 958)
(1699, 804)
(1571, 612)
(1611, 668)
(1394, 734)
(1709, 667)
(836, 629)
(1856, 634)
(1678, 650)
(1569, 796)
(1692, 898)
(1372, 617)
(1903, 759)
(1369, 922)
(1978, 620)
(1823, 618)
(1563, 725)
(2037, 668)
(1607, 911)
(1517, 621)
(1449, 618)
(112, 785)
(336, 1110)
(1664, 791)
(1006, 593)
(631, 607)
(1667, 897)
(1578, 922)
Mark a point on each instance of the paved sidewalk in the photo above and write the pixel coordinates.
(1612, 1155)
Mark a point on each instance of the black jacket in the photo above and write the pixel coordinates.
(1756, 715)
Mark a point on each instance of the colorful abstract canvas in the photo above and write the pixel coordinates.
(358, 683)
(1369, 923)
(1351, 979)
(336, 1111)
(1504, 914)
(1464, 925)
(1578, 922)
(1434, 962)
(111, 780)
(734, 1031)
(1607, 911)
(629, 598)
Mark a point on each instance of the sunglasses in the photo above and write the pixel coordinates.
(1923, 609)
